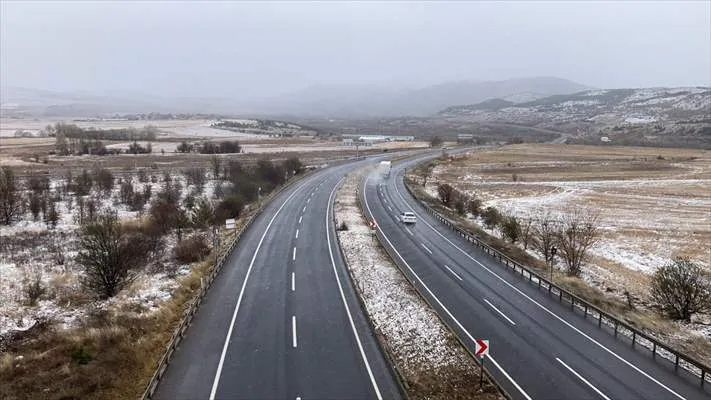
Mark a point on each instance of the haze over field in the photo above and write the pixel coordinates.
(344, 58)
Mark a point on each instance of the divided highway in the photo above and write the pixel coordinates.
(539, 348)
(282, 320)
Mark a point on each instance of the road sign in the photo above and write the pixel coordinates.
(482, 348)
(230, 223)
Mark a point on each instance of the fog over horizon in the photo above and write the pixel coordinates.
(252, 50)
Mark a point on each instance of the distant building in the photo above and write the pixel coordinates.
(347, 142)
(465, 138)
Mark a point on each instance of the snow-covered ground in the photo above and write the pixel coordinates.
(419, 341)
(30, 248)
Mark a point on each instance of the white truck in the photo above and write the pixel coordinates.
(384, 168)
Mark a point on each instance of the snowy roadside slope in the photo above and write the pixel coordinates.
(429, 358)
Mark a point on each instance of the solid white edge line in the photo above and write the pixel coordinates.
(500, 312)
(446, 310)
(546, 309)
(583, 379)
(293, 331)
(216, 381)
(428, 250)
(293, 255)
(343, 296)
(293, 282)
(453, 273)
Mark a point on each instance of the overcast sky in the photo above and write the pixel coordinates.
(254, 49)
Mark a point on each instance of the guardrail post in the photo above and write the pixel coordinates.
(599, 319)
(676, 362)
(654, 351)
(634, 337)
(615, 328)
(703, 377)
(586, 311)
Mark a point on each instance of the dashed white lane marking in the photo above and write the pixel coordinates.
(300, 218)
(428, 250)
(409, 231)
(297, 234)
(293, 282)
(453, 273)
(293, 255)
(500, 312)
(293, 330)
(583, 379)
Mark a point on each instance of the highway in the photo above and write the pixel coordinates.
(539, 348)
(282, 320)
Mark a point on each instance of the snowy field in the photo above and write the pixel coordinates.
(29, 248)
(654, 204)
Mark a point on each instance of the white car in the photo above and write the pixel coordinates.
(408, 217)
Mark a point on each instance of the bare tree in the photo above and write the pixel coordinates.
(680, 289)
(10, 201)
(544, 235)
(445, 191)
(526, 231)
(216, 162)
(110, 256)
(578, 231)
(426, 173)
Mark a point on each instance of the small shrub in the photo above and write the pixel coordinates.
(681, 289)
(191, 250)
(33, 289)
(492, 218)
(81, 355)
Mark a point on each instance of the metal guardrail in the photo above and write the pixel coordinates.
(659, 350)
(424, 298)
(205, 285)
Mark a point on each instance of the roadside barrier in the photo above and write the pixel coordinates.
(620, 329)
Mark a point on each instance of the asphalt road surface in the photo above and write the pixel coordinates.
(281, 321)
(539, 348)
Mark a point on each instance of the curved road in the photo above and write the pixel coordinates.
(281, 321)
(539, 348)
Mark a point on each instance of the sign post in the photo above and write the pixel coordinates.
(481, 350)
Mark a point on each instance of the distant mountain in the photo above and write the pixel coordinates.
(370, 101)
(318, 101)
(678, 116)
(17, 101)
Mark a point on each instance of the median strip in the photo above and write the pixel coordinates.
(430, 361)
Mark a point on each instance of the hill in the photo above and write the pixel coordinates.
(662, 116)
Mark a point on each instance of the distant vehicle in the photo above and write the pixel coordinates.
(384, 168)
(408, 217)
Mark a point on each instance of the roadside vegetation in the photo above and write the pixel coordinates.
(97, 269)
